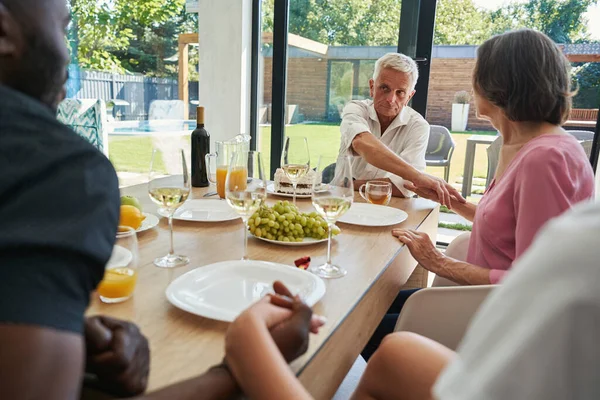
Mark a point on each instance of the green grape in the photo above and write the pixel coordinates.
(286, 230)
(299, 227)
(272, 217)
(303, 220)
(289, 216)
(257, 221)
(276, 214)
(321, 231)
(276, 225)
(285, 203)
(269, 236)
(280, 238)
(252, 229)
(287, 209)
(271, 223)
(324, 224)
(264, 220)
(258, 232)
(286, 239)
(281, 218)
(286, 223)
(299, 239)
(336, 230)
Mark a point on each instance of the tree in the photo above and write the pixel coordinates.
(129, 35)
(562, 20)
(341, 22)
(460, 22)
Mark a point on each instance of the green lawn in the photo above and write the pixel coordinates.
(132, 154)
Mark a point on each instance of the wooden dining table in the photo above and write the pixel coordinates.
(184, 345)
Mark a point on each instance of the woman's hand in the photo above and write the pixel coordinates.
(421, 248)
(287, 321)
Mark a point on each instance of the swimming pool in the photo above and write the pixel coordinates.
(152, 127)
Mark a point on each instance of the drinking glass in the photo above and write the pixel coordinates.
(295, 160)
(246, 187)
(170, 192)
(376, 192)
(120, 274)
(331, 201)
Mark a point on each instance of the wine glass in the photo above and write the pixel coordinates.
(295, 160)
(120, 274)
(332, 197)
(245, 187)
(170, 192)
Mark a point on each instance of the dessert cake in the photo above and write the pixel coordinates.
(304, 187)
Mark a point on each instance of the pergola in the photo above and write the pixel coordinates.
(187, 39)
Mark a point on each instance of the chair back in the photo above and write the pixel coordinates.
(167, 109)
(493, 153)
(440, 145)
(88, 118)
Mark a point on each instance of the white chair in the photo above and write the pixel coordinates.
(582, 135)
(166, 109)
(161, 110)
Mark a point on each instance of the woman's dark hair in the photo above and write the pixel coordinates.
(525, 74)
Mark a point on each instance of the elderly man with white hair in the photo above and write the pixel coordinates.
(387, 138)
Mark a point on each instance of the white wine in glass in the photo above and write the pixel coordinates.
(332, 197)
(170, 192)
(295, 160)
(245, 187)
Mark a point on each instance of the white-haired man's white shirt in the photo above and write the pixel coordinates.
(537, 336)
(407, 136)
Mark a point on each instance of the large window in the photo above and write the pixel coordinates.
(125, 55)
(332, 48)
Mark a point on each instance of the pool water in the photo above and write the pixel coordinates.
(154, 126)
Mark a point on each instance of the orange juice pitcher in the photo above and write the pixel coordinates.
(223, 152)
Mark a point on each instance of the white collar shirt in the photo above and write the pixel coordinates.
(407, 136)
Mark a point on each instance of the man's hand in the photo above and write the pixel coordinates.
(426, 183)
(118, 354)
(291, 335)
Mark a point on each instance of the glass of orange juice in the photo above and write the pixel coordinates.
(120, 274)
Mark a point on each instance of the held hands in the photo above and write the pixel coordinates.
(286, 318)
(118, 354)
(421, 248)
(435, 189)
(291, 335)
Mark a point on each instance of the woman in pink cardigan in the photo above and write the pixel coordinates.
(521, 84)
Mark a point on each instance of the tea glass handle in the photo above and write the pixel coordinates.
(361, 191)
(208, 170)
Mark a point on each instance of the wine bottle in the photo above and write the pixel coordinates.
(200, 148)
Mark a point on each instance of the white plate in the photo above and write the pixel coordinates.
(271, 190)
(207, 210)
(120, 257)
(305, 242)
(150, 222)
(373, 215)
(223, 290)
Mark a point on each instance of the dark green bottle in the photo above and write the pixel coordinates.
(200, 148)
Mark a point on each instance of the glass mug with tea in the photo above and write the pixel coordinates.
(120, 274)
(376, 192)
(222, 155)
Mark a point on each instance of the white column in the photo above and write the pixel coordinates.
(225, 36)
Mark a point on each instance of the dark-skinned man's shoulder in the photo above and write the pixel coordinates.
(59, 206)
